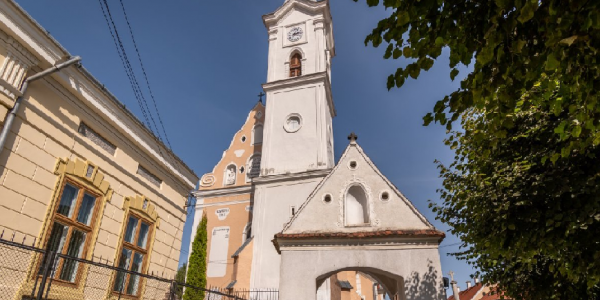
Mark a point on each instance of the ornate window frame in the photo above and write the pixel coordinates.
(143, 209)
(86, 175)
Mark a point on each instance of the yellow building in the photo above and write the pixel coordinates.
(81, 175)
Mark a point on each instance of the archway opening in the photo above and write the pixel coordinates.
(360, 283)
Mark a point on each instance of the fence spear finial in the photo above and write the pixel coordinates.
(12, 239)
(1, 236)
(34, 239)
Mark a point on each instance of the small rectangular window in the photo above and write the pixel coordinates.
(97, 139)
(148, 176)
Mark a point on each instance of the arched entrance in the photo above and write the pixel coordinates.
(367, 283)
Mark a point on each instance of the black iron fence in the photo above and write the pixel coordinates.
(27, 272)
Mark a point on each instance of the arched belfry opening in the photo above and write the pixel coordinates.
(357, 206)
(296, 65)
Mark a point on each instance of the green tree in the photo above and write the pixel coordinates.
(180, 277)
(522, 192)
(526, 223)
(196, 274)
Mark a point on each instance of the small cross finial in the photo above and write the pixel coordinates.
(451, 275)
(260, 97)
(352, 137)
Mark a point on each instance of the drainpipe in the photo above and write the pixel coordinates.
(10, 118)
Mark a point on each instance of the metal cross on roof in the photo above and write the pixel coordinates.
(451, 275)
(260, 96)
(352, 137)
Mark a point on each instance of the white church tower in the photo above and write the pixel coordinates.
(297, 146)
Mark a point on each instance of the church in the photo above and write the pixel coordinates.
(283, 214)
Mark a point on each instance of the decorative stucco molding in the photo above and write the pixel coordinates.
(373, 221)
(84, 171)
(15, 66)
(142, 205)
(230, 191)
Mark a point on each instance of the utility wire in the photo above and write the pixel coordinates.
(145, 75)
(129, 70)
(450, 245)
(110, 29)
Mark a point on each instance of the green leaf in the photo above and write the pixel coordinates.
(388, 51)
(439, 41)
(427, 119)
(551, 62)
(397, 53)
(407, 52)
(453, 73)
(561, 127)
(403, 18)
(485, 55)
(527, 11)
(576, 131)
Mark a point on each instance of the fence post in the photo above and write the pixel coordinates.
(173, 290)
(46, 272)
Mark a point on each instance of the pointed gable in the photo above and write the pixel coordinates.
(241, 161)
(356, 197)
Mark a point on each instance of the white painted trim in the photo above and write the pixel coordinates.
(229, 191)
(291, 177)
(333, 244)
(200, 206)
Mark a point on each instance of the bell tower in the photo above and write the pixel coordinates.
(298, 127)
(297, 149)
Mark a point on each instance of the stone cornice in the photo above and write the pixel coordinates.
(320, 77)
(228, 191)
(291, 176)
(311, 6)
(407, 239)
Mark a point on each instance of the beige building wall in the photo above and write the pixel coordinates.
(225, 196)
(366, 286)
(45, 148)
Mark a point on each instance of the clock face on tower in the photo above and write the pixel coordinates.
(295, 34)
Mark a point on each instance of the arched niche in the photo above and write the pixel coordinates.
(356, 206)
(257, 134)
(230, 175)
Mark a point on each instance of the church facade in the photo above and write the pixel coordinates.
(283, 215)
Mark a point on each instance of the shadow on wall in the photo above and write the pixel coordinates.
(424, 286)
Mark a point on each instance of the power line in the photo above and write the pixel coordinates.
(450, 245)
(129, 71)
(110, 29)
(145, 75)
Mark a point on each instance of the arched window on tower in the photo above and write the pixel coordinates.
(357, 208)
(296, 65)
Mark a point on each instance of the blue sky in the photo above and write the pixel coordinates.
(206, 61)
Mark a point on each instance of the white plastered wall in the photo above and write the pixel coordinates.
(272, 204)
(420, 270)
